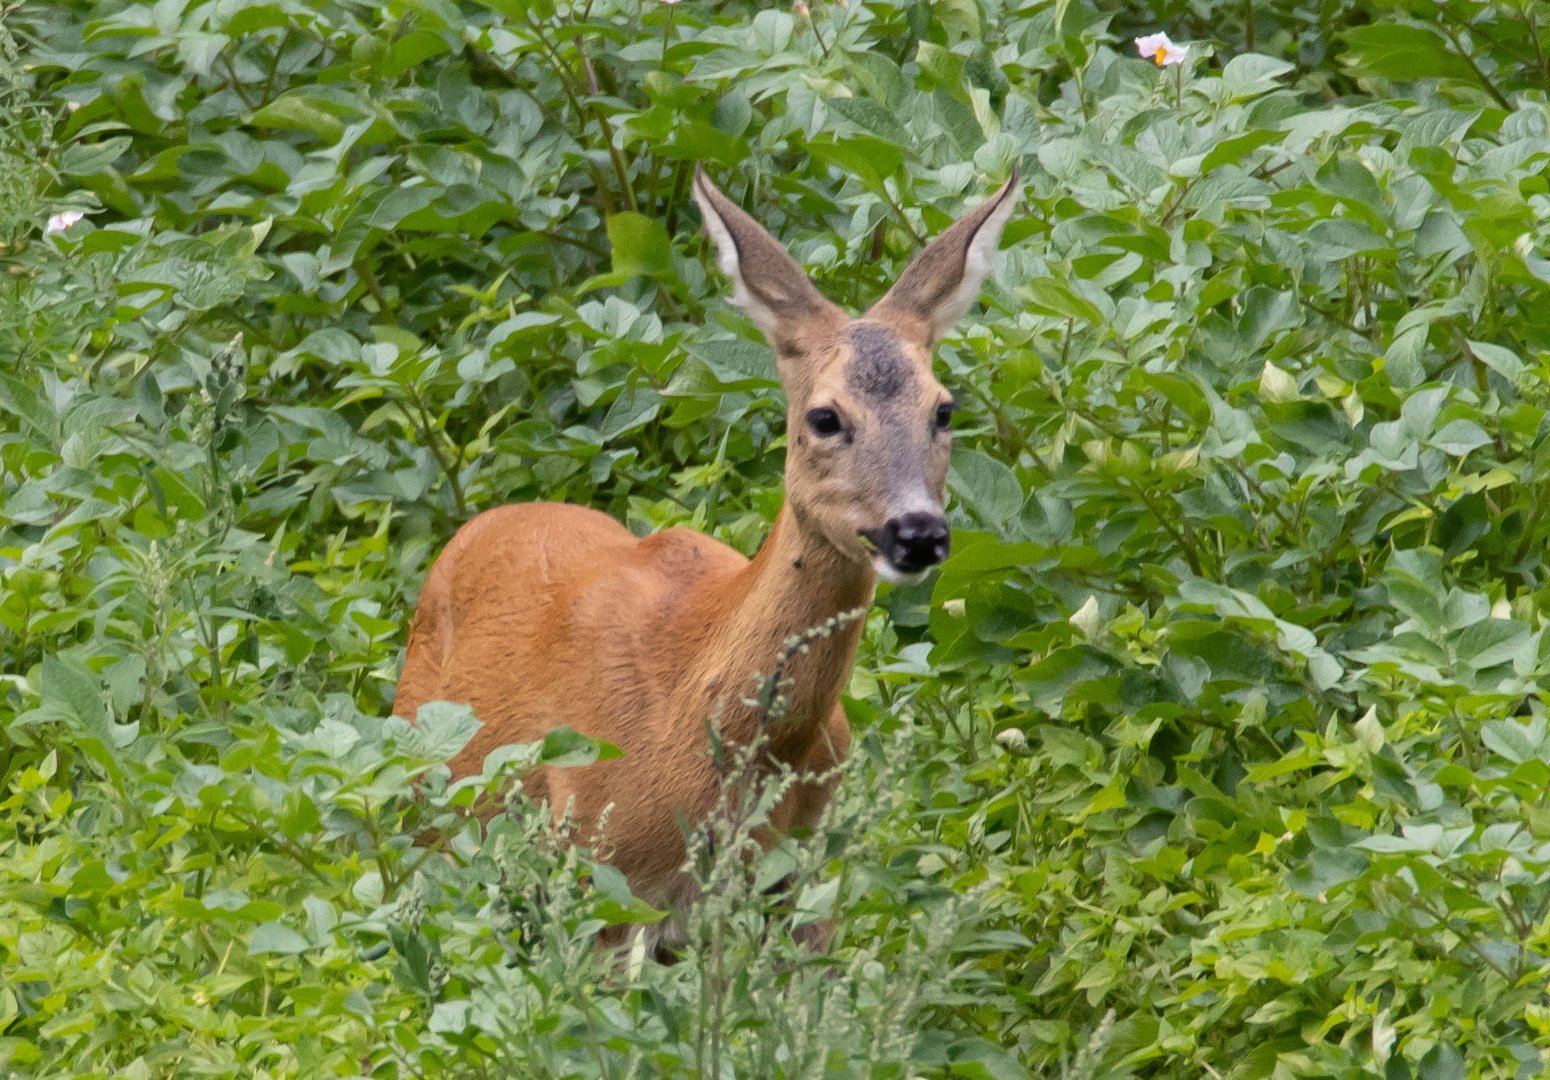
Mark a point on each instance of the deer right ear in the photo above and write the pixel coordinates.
(767, 284)
(944, 280)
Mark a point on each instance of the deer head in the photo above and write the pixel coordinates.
(868, 425)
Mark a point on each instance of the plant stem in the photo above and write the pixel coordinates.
(605, 130)
(428, 431)
(235, 84)
(563, 74)
(818, 37)
(680, 181)
(1527, 11)
(899, 213)
(1490, 87)
(1183, 533)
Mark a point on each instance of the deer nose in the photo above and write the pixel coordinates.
(912, 542)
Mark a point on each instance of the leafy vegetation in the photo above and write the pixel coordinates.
(1216, 749)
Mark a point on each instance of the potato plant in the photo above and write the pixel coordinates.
(1216, 749)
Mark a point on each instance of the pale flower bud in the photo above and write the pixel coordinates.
(1012, 739)
(1086, 618)
(1276, 385)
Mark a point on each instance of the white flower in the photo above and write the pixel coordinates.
(1158, 48)
(63, 220)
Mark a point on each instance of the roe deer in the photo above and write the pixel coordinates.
(544, 614)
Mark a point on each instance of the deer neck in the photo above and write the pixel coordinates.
(796, 582)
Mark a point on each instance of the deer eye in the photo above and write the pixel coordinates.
(823, 422)
(944, 415)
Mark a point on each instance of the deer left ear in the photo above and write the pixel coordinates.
(766, 282)
(939, 285)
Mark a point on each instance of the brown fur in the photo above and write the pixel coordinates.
(543, 614)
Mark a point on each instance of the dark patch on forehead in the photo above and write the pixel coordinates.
(877, 367)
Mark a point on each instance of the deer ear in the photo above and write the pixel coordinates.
(942, 281)
(766, 282)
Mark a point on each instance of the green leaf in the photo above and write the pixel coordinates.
(400, 203)
(71, 684)
(299, 112)
(1251, 74)
(92, 159)
(988, 489)
(566, 748)
(872, 117)
(816, 902)
(277, 938)
(635, 407)
(1058, 298)
(1402, 51)
(737, 364)
(1441, 1062)
(450, 1017)
(611, 883)
(872, 160)
(981, 1060)
(1232, 150)
(639, 244)
(412, 50)
(1326, 869)
(441, 730)
(1498, 358)
(333, 738)
(1459, 437)
(1517, 742)
(1052, 678)
(634, 913)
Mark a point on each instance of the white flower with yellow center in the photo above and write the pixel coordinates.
(63, 220)
(1161, 50)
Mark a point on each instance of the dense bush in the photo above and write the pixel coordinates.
(1216, 749)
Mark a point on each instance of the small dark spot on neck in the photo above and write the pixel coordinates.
(796, 563)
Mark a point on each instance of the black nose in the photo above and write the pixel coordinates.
(912, 542)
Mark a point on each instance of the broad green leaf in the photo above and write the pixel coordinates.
(441, 730)
(639, 244)
(90, 159)
(988, 488)
(873, 160)
(1402, 51)
(276, 937)
(1233, 150)
(1459, 437)
(1498, 358)
(631, 410)
(737, 364)
(1249, 74)
(301, 113)
(1057, 298)
(1514, 741)
(565, 748)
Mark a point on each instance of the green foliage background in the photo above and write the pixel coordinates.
(1215, 750)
